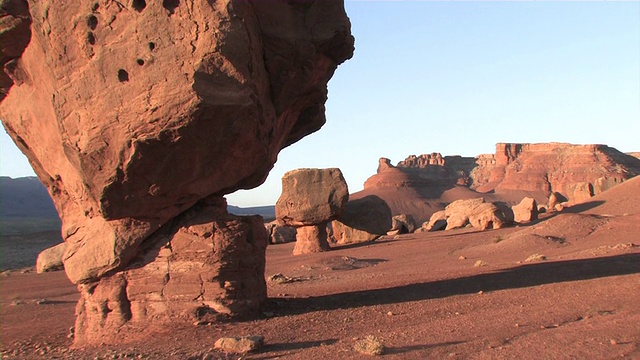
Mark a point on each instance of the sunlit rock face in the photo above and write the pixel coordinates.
(139, 116)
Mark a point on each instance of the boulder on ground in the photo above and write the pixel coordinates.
(402, 224)
(279, 234)
(50, 259)
(363, 219)
(477, 212)
(457, 213)
(555, 199)
(488, 216)
(526, 211)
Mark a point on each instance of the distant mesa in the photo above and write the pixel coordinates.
(422, 185)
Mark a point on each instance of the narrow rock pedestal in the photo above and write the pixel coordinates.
(208, 265)
(311, 239)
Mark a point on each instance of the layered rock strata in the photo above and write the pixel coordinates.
(139, 116)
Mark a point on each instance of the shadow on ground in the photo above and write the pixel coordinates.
(517, 277)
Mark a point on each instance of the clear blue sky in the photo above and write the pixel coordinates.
(458, 77)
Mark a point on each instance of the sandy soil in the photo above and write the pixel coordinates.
(446, 295)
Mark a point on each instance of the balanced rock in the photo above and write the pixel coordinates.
(363, 219)
(50, 259)
(310, 199)
(137, 116)
(526, 211)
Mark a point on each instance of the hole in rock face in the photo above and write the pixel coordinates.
(91, 39)
(140, 62)
(123, 75)
(152, 46)
(95, 7)
(138, 5)
(92, 22)
(170, 5)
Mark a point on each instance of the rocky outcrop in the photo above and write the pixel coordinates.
(134, 113)
(421, 185)
(310, 199)
(551, 167)
(526, 211)
(364, 219)
(50, 259)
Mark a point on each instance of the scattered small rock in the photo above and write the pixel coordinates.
(370, 345)
(613, 342)
(480, 263)
(389, 313)
(240, 345)
(535, 257)
(462, 257)
(280, 278)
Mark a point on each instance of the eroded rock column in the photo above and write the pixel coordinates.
(205, 266)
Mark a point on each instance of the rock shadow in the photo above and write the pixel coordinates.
(518, 277)
(292, 346)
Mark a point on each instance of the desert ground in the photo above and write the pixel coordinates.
(459, 294)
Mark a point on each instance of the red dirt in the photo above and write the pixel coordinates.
(421, 294)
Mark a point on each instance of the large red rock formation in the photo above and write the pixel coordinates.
(131, 113)
(553, 167)
(422, 185)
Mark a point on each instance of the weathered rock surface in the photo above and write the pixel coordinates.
(206, 265)
(15, 33)
(280, 234)
(310, 199)
(476, 212)
(311, 196)
(50, 259)
(526, 211)
(437, 221)
(240, 345)
(364, 219)
(131, 113)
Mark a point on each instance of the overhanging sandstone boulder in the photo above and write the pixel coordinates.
(134, 113)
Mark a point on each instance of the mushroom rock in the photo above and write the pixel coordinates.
(140, 116)
(310, 199)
